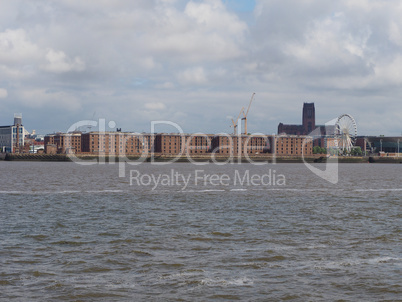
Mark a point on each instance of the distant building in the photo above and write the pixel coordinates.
(293, 145)
(12, 137)
(308, 122)
(308, 127)
(64, 142)
(175, 143)
(126, 143)
(32, 145)
(116, 143)
(382, 144)
(241, 144)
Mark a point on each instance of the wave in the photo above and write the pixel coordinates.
(35, 192)
(15, 192)
(105, 191)
(384, 260)
(358, 262)
(202, 191)
(379, 190)
(199, 277)
(244, 281)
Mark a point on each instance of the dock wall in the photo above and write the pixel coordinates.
(203, 158)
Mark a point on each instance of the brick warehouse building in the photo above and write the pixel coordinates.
(293, 145)
(176, 143)
(115, 143)
(63, 143)
(127, 143)
(240, 144)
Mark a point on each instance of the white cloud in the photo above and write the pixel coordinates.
(166, 85)
(211, 15)
(15, 48)
(154, 58)
(58, 62)
(194, 75)
(3, 93)
(395, 32)
(329, 46)
(40, 98)
(20, 57)
(203, 32)
(155, 106)
(390, 73)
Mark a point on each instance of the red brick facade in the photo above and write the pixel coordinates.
(125, 143)
(292, 145)
(64, 142)
(116, 143)
(243, 144)
(185, 143)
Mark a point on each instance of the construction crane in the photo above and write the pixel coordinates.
(235, 123)
(245, 114)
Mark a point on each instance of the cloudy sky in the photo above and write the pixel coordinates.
(197, 63)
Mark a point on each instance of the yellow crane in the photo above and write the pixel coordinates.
(245, 114)
(235, 122)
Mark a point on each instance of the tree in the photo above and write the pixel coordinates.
(316, 150)
(319, 150)
(356, 151)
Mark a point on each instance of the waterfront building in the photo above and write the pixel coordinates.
(282, 145)
(166, 143)
(198, 143)
(64, 142)
(293, 145)
(319, 133)
(12, 137)
(308, 122)
(127, 143)
(226, 144)
(32, 145)
(176, 143)
(117, 143)
(391, 145)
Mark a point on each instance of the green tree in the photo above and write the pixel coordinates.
(316, 150)
(356, 151)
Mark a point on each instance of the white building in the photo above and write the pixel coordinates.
(9, 134)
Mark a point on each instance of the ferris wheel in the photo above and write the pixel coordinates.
(345, 132)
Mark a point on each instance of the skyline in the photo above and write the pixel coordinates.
(196, 63)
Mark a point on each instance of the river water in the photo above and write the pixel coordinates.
(203, 233)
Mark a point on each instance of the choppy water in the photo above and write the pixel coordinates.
(81, 233)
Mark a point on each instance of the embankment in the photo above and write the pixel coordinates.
(36, 157)
(201, 158)
(159, 158)
(385, 160)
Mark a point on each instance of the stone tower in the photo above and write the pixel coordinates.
(308, 117)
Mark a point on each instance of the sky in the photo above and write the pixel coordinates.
(196, 63)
